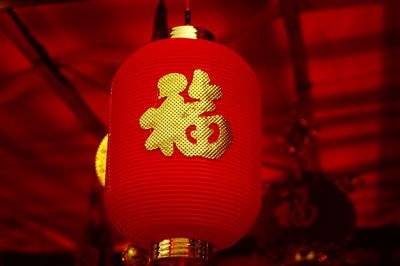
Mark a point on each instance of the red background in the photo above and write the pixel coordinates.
(47, 153)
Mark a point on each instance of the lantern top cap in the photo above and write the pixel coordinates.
(191, 32)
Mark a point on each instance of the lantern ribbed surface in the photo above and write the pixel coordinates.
(151, 196)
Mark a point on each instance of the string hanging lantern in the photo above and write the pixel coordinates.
(183, 162)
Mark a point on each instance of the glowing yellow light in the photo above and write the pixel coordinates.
(310, 255)
(298, 257)
(132, 256)
(101, 160)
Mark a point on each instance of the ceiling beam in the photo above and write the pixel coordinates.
(39, 57)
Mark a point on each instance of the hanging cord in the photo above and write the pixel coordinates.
(187, 13)
(302, 136)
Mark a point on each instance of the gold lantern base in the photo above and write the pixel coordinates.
(180, 251)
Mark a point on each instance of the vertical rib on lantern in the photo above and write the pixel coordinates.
(150, 196)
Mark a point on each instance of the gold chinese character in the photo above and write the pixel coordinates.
(186, 124)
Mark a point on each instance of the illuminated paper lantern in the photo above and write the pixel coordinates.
(183, 163)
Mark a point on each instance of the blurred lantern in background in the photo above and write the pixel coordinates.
(183, 165)
(132, 256)
(304, 220)
(101, 161)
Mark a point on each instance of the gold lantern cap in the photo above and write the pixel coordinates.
(192, 249)
(191, 32)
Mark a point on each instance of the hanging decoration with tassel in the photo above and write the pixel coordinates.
(306, 219)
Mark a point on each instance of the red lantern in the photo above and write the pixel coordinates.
(184, 144)
(302, 220)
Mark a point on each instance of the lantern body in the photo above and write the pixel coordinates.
(159, 186)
